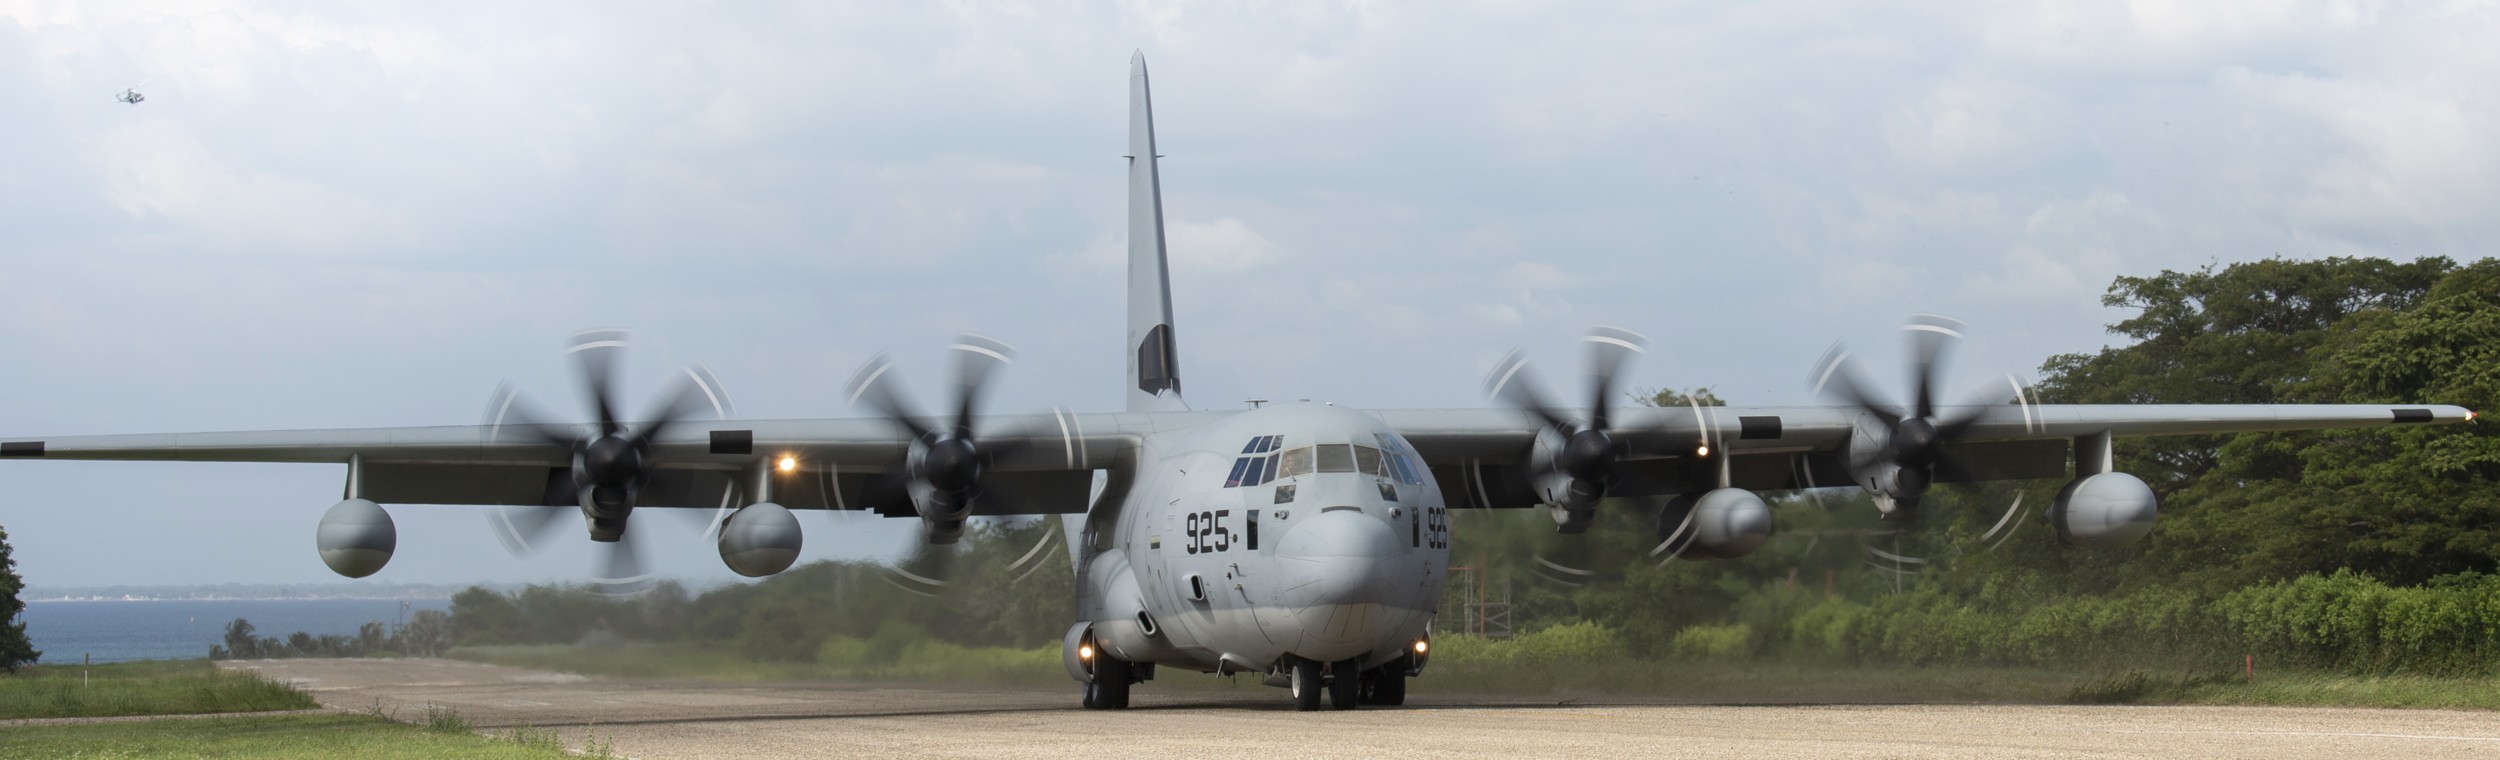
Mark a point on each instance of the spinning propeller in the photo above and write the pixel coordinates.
(941, 476)
(1584, 455)
(611, 460)
(1915, 449)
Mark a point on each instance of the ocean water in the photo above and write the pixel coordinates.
(122, 630)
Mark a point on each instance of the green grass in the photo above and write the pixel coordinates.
(2324, 690)
(323, 736)
(151, 687)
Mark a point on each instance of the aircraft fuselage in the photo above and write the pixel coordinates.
(1292, 531)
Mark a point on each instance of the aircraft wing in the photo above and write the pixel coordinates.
(1045, 465)
(1482, 456)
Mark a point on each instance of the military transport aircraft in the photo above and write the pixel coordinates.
(1305, 544)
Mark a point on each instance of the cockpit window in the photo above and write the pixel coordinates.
(1388, 461)
(1257, 464)
(1336, 457)
(1401, 463)
(1296, 462)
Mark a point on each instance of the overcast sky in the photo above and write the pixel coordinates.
(332, 215)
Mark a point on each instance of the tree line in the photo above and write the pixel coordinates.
(427, 634)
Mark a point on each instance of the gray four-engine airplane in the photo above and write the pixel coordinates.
(1303, 543)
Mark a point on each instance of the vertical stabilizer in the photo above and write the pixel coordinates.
(1153, 367)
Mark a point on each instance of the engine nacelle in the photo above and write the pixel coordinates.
(356, 538)
(759, 540)
(1723, 524)
(2103, 511)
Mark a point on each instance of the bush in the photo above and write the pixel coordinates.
(1714, 642)
(1581, 641)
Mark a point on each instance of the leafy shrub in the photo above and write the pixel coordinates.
(1714, 642)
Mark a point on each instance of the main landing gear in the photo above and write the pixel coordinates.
(1109, 689)
(1347, 684)
(1385, 686)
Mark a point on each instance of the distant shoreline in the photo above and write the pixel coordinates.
(341, 598)
(255, 592)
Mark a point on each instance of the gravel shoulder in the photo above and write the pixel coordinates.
(814, 719)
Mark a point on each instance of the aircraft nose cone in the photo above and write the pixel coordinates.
(1339, 569)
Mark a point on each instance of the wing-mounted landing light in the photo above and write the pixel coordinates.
(1574, 460)
(611, 459)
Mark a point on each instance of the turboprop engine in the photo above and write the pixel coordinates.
(759, 540)
(941, 475)
(2103, 511)
(356, 538)
(1723, 524)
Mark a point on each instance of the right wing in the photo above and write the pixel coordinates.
(1482, 456)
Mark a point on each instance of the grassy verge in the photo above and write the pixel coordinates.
(282, 736)
(153, 687)
(2294, 689)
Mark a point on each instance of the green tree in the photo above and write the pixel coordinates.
(241, 643)
(15, 650)
(2401, 505)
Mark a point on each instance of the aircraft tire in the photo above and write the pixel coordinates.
(1386, 685)
(1306, 684)
(1114, 676)
(1345, 689)
(1109, 689)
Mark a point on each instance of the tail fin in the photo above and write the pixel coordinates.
(1153, 368)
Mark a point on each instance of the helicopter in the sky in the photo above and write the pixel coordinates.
(132, 95)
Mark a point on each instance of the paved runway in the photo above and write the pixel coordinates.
(676, 719)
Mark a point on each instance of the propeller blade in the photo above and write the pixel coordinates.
(1609, 349)
(619, 566)
(522, 530)
(1035, 558)
(1511, 384)
(509, 411)
(976, 357)
(1835, 377)
(868, 388)
(682, 400)
(925, 569)
(596, 354)
(1931, 338)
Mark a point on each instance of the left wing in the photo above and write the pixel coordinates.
(1048, 469)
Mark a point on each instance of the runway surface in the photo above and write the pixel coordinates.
(805, 719)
